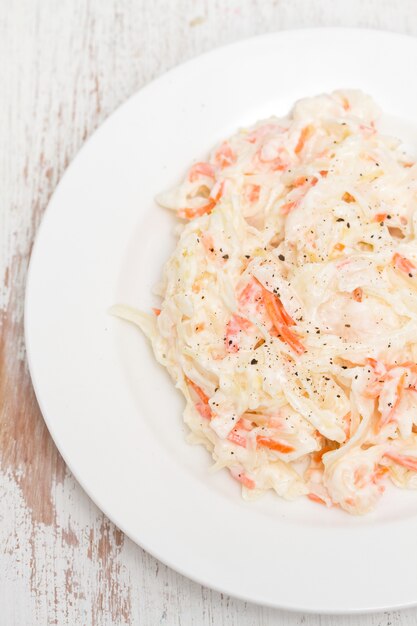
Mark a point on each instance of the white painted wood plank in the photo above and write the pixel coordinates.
(64, 67)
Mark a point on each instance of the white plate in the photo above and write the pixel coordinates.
(115, 415)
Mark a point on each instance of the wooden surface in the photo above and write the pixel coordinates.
(65, 65)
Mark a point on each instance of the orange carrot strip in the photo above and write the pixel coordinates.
(378, 366)
(234, 437)
(204, 410)
(292, 340)
(203, 407)
(399, 394)
(379, 473)
(406, 461)
(347, 197)
(299, 182)
(200, 169)
(198, 390)
(278, 308)
(281, 320)
(315, 498)
(235, 325)
(243, 424)
(357, 294)
(242, 478)
(157, 311)
(306, 132)
(347, 420)
(279, 165)
(190, 214)
(380, 217)
(287, 207)
(225, 155)
(410, 365)
(403, 264)
(303, 180)
(317, 456)
(253, 192)
(267, 442)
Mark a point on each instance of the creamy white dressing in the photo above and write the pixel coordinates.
(289, 307)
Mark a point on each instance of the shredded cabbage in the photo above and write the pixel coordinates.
(289, 310)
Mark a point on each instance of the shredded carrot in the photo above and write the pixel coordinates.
(340, 247)
(234, 437)
(316, 498)
(380, 217)
(323, 173)
(373, 390)
(403, 264)
(157, 311)
(281, 320)
(305, 134)
(204, 410)
(253, 192)
(190, 214)
(198, 390)
(360, 475)
(203, 406)
(251, 293)
(379, 473)
(267, 442)
(372, 362)
(346, 104)
(304, 183)
(303, 180)
(357, 294)
(347, 420)
(234, 326)
(410, 365)
(399, 393)
(244, 423)
(243, 478)
(299, 182)
(208, 243)
(317, 456)
(279, 165)
(287, 207)
(378, 366)
(225, 155)
(200, 169)
(347, 197)
(277, 308)
(406, 461)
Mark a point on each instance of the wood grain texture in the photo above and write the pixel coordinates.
(64, 67)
